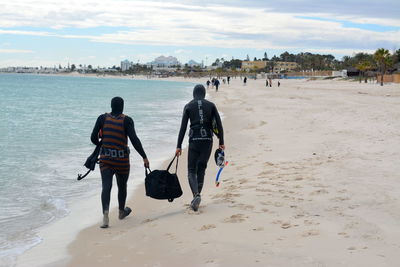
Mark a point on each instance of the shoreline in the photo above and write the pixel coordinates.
(304, 187)
(58, 233)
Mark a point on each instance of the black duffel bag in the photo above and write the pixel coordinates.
(161, 184)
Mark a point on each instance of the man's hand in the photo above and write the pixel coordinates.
(178, 152)
(146, 163)
(222, 147)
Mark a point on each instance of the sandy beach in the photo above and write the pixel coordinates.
(312, 180)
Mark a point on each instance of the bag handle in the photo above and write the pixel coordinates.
(146, 171)
(176, 167)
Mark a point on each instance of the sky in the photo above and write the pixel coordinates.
(103, 33)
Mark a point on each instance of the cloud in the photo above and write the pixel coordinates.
(224, 24)
(15, 51)
(182, 51)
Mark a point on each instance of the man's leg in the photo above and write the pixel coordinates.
(122, 181)
(106, 181)
(193, 156)
(204, 156)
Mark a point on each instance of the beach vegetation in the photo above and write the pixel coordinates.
(383, 60)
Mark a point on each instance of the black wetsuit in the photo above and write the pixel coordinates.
(201, 113)
(107, 174)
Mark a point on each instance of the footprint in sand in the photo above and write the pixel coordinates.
(263, 190)
(262, 123)
(225, 196)
(207, 227)
(268, 164)
(345, 235)
(310, 222)
(319, 192)
(258, 229)
(243, 181)
(286, 225)
(170, 236)
(232, 187)
(340, 199)
(147, 221)
(243, 206)
(236, 218)
(310, 233)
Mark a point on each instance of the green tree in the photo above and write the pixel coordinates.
(265, 58)
(73, 67)
(271, 65)
(396, 56)
(383, 61)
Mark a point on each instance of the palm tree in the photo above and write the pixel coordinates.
(363, 67)
(383, 60)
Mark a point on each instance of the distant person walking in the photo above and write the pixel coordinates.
(216, 83)
(279, 83)
(201, 114)
(266, 83)
(270, 82)
(228, 79)
(244, 80)
(113, 129)
(208, 84)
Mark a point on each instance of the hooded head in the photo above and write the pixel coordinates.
(117, 105)
(199, 92)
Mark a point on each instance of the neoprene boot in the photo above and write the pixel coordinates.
(196, 202)
(105, 219)
(125, 212)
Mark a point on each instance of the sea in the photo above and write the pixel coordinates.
(45, 128)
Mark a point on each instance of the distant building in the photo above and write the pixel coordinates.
(126, 65)
(164, 62)
(193, 63)
(278, 65)
(253, 65)
(285, 66)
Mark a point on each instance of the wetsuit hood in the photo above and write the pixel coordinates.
(117, 105)
(199, 92)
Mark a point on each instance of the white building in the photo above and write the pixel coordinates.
(126, 65)
(193, 63)
(162, 62)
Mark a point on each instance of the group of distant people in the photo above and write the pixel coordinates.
(215, 82)
(268, 82)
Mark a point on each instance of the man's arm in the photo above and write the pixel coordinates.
(130, 131)
(97, 127)
(219, 126)
(182, 131)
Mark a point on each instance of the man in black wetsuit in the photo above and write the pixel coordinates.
(201, 114)
(113, 129)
